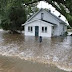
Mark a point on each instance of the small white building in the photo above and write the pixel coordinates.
(44, 23)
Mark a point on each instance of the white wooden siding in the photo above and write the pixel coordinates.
(40, 24)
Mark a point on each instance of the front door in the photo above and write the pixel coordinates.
(36, 30)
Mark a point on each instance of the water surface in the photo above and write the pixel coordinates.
(56, 51)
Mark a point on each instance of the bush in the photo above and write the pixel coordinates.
(66, 33)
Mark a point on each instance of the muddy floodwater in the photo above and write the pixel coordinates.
(19, 53)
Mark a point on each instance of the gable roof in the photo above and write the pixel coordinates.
(61, 21)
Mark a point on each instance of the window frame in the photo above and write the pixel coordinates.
(42, 16)
(44, 29)
(30, 29)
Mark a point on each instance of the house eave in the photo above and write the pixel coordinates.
(63, 23)
(38, 20)
(49, 22)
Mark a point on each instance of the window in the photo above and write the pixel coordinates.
(30, 29)
(52, 27)
(44, 29)
(42, 15)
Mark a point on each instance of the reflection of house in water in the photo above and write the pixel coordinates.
(44, 23)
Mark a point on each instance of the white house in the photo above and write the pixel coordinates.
(44, 23)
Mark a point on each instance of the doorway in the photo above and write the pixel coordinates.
(36, 30)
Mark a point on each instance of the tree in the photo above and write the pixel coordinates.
(5, 24)
(14, 16)
(13, 13)
(17, 17)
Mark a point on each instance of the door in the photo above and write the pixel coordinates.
(36, 30)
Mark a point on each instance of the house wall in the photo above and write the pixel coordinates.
(40, 24)
(56, 30)
(59, 30)
(62, 29)
(65, 28)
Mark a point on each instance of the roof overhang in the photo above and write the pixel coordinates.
(38, 20)
(63, 23)
(28, 22)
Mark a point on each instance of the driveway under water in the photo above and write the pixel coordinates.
(55, 51)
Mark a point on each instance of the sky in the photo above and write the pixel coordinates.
(43, 4)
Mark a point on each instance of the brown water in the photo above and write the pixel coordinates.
(19, 53)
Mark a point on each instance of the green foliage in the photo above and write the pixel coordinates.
(68, 27)
(13, 15)
(66, 33)
(5, 24)
(17, 17)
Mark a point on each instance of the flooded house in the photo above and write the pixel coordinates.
(44, 23)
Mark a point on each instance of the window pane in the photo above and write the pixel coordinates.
(52, 27)
(42, 29)
(31, 28)
(45, 29)
(28, 28)
(42, 15)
